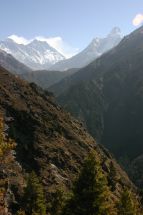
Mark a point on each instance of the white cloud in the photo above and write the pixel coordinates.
(138, 20)
(56, 42)
(19, 40)
(60, 45)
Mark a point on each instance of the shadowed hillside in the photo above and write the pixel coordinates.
(107, 96)
(49, 140)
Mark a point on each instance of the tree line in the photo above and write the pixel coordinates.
(92, 192)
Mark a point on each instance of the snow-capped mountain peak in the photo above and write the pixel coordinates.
(39, 54)
(115, 32)
(35, 54)
(96, 48)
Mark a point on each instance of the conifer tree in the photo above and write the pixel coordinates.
(128, 204)
(112, 178)
(34, 199)
(91, 195)
(58, 202)
(20, 212)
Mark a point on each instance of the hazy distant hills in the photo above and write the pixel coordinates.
(11, 64)
(45, 78)
(96, 48)
(107, 95)
(37, 54)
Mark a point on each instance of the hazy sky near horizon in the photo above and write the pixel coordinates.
(74, 22)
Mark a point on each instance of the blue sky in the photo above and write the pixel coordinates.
(75, 21)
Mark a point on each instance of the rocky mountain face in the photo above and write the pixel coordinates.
(11, 64)
(49, 140)
(95, 49)
(37, 54)
(107, 96)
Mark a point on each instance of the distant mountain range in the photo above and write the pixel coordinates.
(95, 49)
(39, 55)
(42, 78)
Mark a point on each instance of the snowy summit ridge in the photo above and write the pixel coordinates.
(36, 54)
